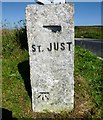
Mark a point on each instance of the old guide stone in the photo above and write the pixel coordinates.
(50, 31)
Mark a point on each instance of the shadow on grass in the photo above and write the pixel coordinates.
(6, 114)
(24, 70)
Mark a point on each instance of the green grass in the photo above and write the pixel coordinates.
(94, 32)
(88, 80)
(89, 67)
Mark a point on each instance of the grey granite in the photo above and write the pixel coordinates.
(50, 32)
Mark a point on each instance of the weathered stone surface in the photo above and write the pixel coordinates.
(50, 31)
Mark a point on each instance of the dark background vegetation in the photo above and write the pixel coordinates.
(94, 32)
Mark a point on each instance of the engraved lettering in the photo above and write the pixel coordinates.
(62, 46)
(39, 48)
(33, 48)
(56, 46)
(50, 48)
(53, 46)
(69, 43)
